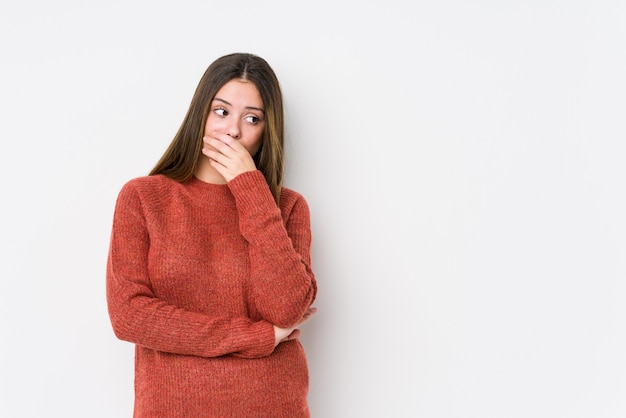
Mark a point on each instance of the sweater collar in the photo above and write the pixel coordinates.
(209, 191)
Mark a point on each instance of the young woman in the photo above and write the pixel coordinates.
(209, 271)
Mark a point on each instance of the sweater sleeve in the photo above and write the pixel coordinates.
(139, 317)
(283, 283)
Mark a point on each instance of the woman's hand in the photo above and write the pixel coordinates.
(286, 334)
(227, 155)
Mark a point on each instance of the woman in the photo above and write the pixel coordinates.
(209, 271)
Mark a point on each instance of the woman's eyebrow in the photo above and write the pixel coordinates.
(247, 107)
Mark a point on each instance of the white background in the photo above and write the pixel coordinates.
(464, 165)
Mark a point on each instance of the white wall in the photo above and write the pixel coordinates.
(463, 162)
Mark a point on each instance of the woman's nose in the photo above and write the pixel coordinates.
(233, 130)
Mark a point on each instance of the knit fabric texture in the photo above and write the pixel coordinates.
(197, 276)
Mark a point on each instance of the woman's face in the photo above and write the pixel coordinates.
(237, 110)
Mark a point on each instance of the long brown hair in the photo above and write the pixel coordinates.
(180, 160)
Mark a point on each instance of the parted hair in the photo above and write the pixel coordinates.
(180, 160)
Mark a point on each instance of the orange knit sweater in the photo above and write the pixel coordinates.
(197, 275)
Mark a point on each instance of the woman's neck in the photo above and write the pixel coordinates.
(206, 173)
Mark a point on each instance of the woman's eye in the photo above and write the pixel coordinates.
(220, 111)
(252, 119)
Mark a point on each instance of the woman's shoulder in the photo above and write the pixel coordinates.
(152, 193)
(289, 198)
(148, 187)
(289, 194)
(157, 181)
